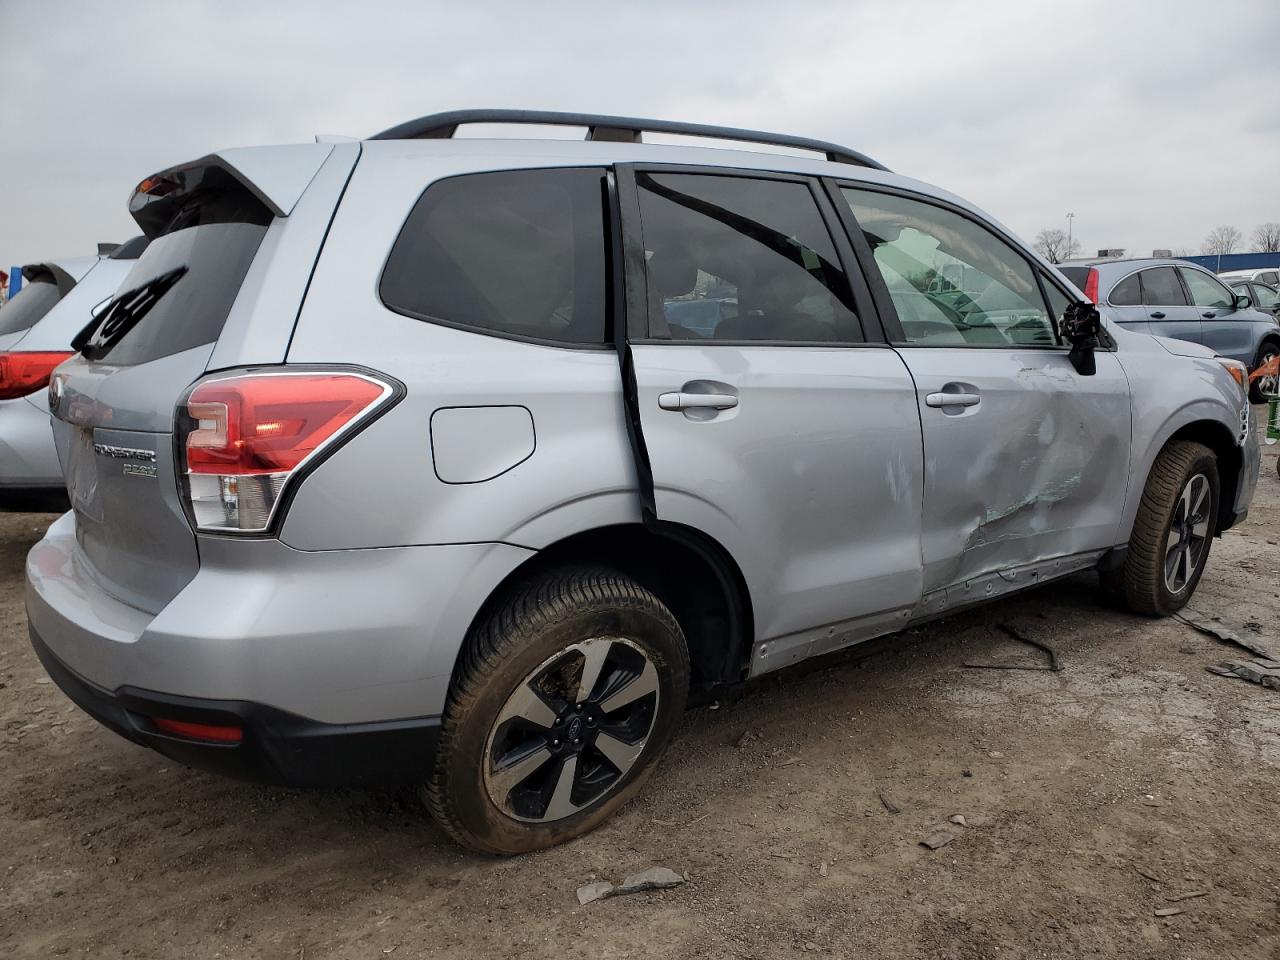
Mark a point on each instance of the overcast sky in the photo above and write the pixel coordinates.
(1152, 122)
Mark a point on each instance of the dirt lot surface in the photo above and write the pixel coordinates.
(1131, 782)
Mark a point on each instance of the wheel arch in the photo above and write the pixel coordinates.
(688, 570)
(1220, 439)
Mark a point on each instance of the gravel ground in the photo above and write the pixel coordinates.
(1132, 782)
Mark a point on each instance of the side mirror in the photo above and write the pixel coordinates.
(1081, 323)
(1243, 302)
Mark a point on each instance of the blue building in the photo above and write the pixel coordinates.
(1236, 261)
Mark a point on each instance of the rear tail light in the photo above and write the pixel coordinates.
(250, 434)
(1091, 285)
(25, 373)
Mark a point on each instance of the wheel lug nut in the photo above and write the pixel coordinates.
(555, 743)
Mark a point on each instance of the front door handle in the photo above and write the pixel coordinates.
(1208, 314)
(952, 400)
(691, 401)
(1158, 315)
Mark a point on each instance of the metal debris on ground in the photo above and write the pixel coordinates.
(1258, 670)
(655, 878)
(937, 840)
(888, 804)
(1053, 666)
(1206, 625)
(594, 891)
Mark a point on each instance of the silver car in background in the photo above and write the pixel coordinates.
(397, 458)
(1174, 298)
(36, 328)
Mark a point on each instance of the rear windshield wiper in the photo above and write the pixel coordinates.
(122, 314)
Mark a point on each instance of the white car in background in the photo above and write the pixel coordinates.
(56, 301)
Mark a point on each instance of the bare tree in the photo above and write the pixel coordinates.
(1221, 241)
(1266, 239)
(1054, 246)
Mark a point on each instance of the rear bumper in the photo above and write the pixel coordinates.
(335, 663)
(276, 746)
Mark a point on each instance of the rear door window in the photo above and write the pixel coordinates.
(952, 281)
(32, 302)
(518, 254)
(737, 258)
(1160, 288)
(1271, 277)
(1206, 291)
(1127, 293)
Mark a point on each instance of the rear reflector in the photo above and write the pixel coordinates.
(250, 433)
(24, 373)
(214, 732)
(1091, 285)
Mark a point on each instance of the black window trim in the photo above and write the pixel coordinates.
(608, 213)
(867, 317)
(888, 312)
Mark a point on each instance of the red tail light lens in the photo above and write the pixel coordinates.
(26, 373)
(251, 432)
(1091, 285)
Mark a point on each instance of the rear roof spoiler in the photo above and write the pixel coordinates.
(275, 176)
(64, 275)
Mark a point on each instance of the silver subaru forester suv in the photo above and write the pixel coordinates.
(396, 459)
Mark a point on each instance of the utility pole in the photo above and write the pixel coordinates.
(1070, 217)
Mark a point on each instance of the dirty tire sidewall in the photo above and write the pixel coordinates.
(537, 620)
(1143, 582)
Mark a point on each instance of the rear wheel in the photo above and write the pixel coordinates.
(1171, 534)
(564, 699)
(1264, 388)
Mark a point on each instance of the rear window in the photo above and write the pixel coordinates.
(518, 253)
(32, 302)
(178, 295)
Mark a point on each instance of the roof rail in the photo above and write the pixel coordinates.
(442, 126)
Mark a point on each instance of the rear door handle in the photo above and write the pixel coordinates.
(1158, 315)
(1208, 314)
(952, 400)
(690, 401)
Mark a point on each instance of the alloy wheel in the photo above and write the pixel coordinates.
(1188, 534)
(571, 730)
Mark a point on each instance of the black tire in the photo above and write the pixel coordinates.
(540, 622)
(1265, 352)
(1141, 581)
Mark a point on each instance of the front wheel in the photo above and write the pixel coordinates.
(564, 698)
(1171, 534)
